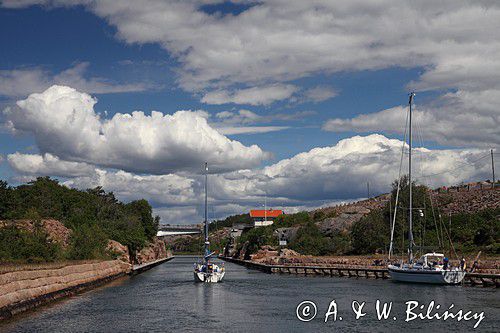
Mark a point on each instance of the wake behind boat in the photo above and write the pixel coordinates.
(206, 271)
(431, 267)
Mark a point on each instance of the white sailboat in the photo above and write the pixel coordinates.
(206, 271)
(431, 267)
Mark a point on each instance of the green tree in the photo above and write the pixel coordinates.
(371, 233)
(93, 210)
(311, 241)
(88, 241)
(22, 245)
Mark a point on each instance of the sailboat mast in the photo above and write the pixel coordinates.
(410, 235)
(207, 244)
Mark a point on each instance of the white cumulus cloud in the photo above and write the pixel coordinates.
(64, 123)
(170, 189)
(310, 179)
(462, 118)
(47, 165)
(341, 171)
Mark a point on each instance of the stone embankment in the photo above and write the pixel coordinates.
(25, 286)
(28, 286)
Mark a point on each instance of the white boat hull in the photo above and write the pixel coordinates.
(208, 277)
(425, 275)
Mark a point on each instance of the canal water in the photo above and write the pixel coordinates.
(165, 299)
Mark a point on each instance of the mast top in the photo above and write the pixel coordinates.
(412, 94)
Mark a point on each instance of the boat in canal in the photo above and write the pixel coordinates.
(205, 270)
(433, 267)
(430, 268)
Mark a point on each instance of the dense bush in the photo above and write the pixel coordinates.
(22, 245)
(370, 234)
(229, 221)
(88, 241)
(93, 215)
(289, 220)
(258, 237)
(478, 231)
(431, 232)
(311, 241)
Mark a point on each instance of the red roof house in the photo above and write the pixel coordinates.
(263, 217)
(271, 213)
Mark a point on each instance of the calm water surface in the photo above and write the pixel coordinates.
(165, 299)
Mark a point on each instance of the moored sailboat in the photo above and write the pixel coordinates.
(431, 267)
(206, 271)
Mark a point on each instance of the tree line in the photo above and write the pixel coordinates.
(468, 232)
(93, 215)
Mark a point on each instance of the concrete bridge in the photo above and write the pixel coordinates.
(174, 229)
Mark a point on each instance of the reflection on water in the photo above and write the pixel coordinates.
(166, 299)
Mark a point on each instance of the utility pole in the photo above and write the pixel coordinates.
(493, 167)
(265, 208)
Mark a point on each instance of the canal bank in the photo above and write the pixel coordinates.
(165, 299)
(472, 279)
(29, 286)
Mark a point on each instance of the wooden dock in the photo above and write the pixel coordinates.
(472, 279)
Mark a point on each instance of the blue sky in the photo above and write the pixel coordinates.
(306, 75)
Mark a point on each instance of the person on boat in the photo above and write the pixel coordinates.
(463, 265)
(475, 266)
(445, 265)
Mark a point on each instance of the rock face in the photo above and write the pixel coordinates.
(33, 282)
(153, 251)
(181, 243)
(287, 234)
(338, 224)
(271, 256)
(264, 253)
(121, 250)
(346, 215)
(464, 201)
(56, 231)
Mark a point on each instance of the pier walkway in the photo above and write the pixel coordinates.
(473, 279)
